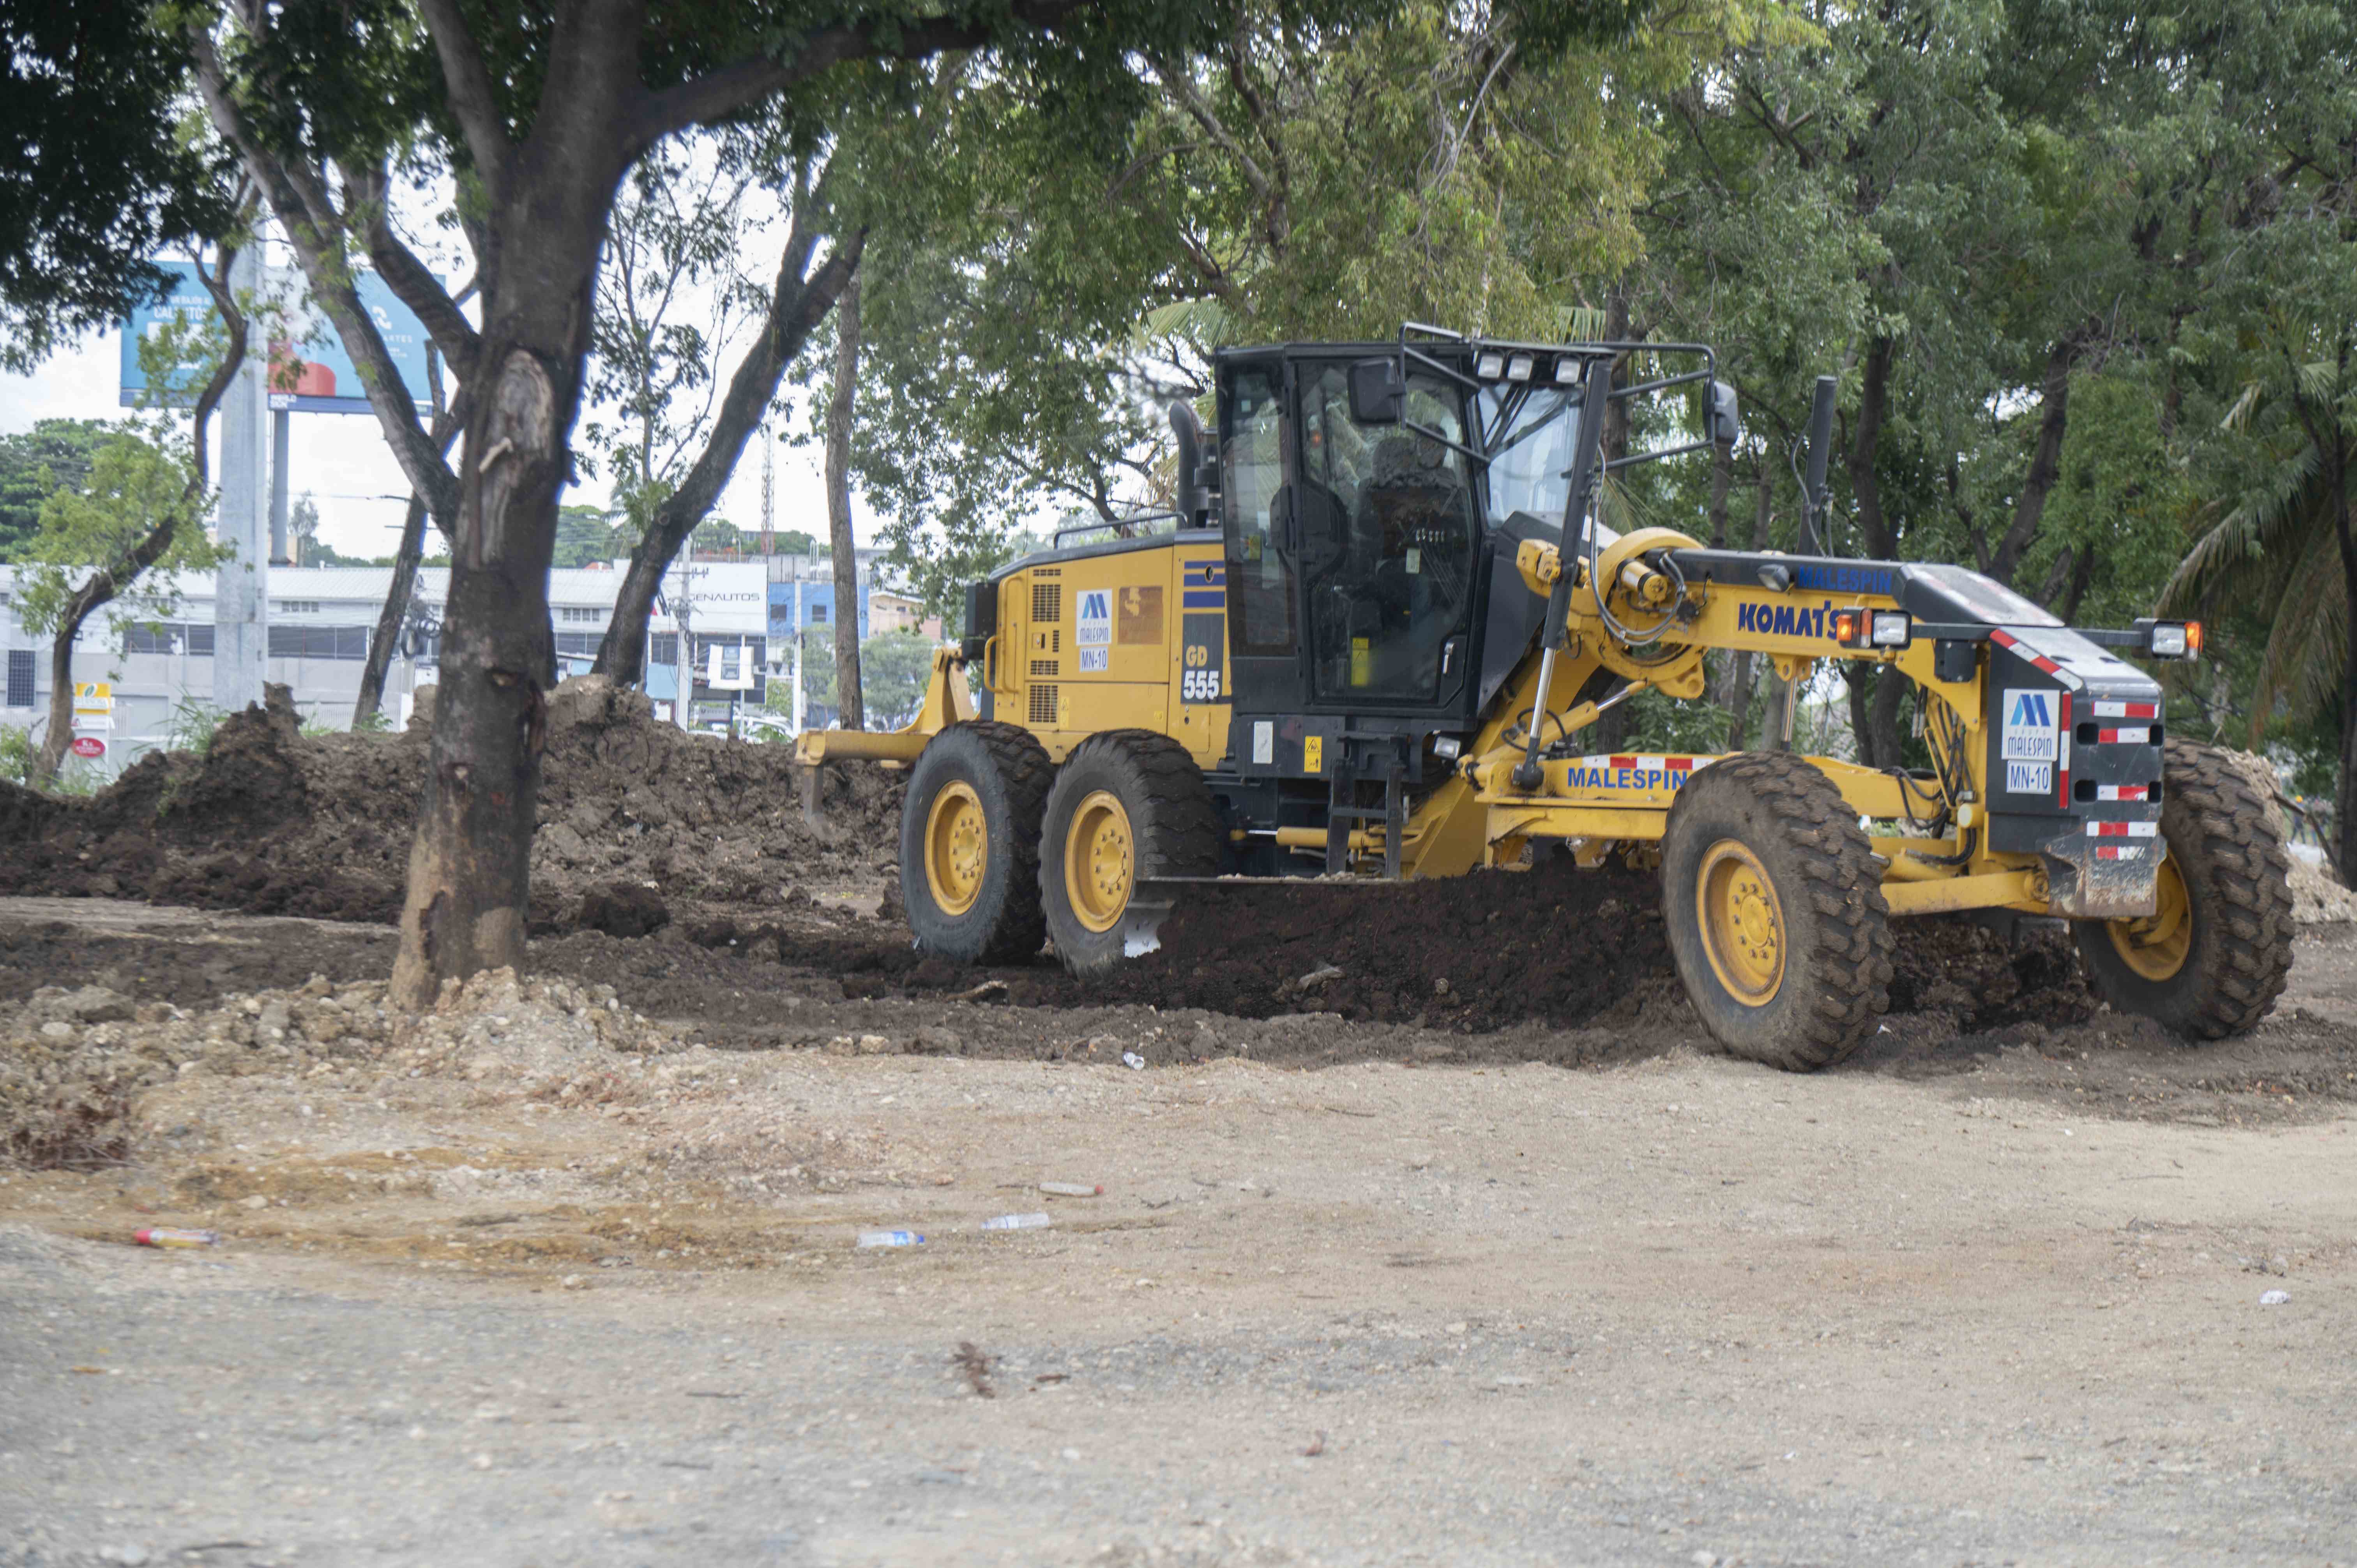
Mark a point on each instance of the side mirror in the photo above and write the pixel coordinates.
(1377, 392)
(1725, 426)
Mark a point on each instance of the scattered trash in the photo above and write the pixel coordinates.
(163, 1236)
(1317, 1446)
(986, 991)
(1017, 1222)
(1072, 1189)
(2276, 1298)
(1325, 974)
(974, 1363)
(1132, 1060)
(890, 1238)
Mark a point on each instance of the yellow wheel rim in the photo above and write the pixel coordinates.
(1099, 862)
(2156, 945)
(957, 848)
(1742, 923)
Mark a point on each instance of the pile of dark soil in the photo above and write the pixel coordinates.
(269, 820)
(1556, 945)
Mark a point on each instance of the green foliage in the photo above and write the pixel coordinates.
(584, 536)
(192, 726)
(55, 454)
(894, 668)
(99, 176)
(136, 485)
(17, 752)
(893, 671)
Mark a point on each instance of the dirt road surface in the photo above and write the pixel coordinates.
(1354, 1293)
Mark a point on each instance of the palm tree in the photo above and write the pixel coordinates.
(2289, 543)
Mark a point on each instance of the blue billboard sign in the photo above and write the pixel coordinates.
(309, 371)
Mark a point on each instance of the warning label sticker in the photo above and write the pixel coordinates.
(2029, 778)
(1095, 622)
(2030, 732)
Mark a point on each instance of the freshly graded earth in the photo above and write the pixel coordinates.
(566, 1273)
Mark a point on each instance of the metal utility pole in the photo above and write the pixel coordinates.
(242, 586)
(798, 652)
(280, 419)
(683, 704)
(769, 489)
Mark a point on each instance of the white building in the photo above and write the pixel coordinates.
(321, 620)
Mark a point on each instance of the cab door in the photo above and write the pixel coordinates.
(1262, 534)
(1388, 531)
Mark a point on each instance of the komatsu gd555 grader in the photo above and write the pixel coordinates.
(1376, 639)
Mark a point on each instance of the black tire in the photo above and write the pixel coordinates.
(1834, 978)
(1007, 771)
(2236, 876)
(1173, 830)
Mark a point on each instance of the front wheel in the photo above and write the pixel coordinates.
(970, 844)
(1128, 805)
(1775, 911)
(2211, 958)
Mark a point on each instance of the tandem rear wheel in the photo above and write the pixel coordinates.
(1127, 806)
(970, 844)
(1775, 911)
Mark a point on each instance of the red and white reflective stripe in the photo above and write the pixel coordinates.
(2118, 851)
(2122, 830)
(2062, 756)
(2005, 639)
(2127, 710)
(2122, 791)
(1652, 764)
(2124, 736)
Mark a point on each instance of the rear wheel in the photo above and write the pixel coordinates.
(1775, 911)
(1128, 805)
(970, 844)
(2210, 959)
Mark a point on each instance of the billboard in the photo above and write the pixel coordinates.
(309, 371)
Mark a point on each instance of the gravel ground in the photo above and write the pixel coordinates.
(1980, 1301)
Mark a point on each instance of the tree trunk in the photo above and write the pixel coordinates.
(447, 424)
(395, 611)
(2045, 461)
(797, 304)
(1738, 694)
(1864, 483)
(470, 866)
(2345, 806)
(838, 509)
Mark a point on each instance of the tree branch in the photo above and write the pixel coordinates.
(368, 196)
(468, 83)
(720, 93)
(318, 246)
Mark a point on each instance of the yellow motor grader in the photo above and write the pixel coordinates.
(1373, 641)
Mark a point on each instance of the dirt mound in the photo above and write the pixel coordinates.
(72, 1062)
(269, 820)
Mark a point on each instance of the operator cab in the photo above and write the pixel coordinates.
(1372, 496)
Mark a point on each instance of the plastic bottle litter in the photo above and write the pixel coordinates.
(163, 1236)
(1072, 1189)
(890, 1238)
(2276, 1298)
(1132, 1060)
(1016, 1222)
